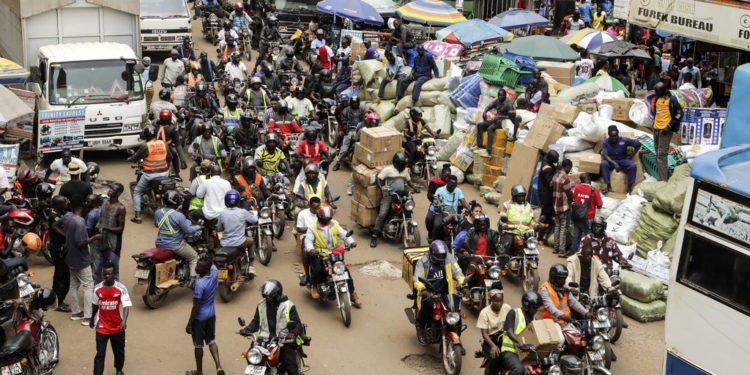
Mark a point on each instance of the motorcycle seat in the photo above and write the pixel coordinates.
(159, 254)
(227, 254)
(17, 346)
(329, 101)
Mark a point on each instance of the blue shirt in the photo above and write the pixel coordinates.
(585, 10)
(459, 240)
(424, 66)
(398, 63)
(205, 289)
(436, 277)
(178, 222)
(93, 217)
(371, 54)
(607, 6)
(316, 43)
(232, 223)
(618, 151)
(449, 199)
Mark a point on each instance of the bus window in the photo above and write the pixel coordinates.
(717, 271)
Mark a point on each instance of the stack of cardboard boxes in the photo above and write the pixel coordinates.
(563, 72)
(493, 164)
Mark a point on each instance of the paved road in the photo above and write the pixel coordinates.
(380, 339)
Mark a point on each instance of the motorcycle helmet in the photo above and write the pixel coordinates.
(44, 190)
(164, 94)
(354, 102)
(415, 112)
(518, 190)
(248, 163)
(531, 300)
(599, 221)
(146, 61)
(27, 177)
(236, 54)
(312, 168)
(557, 274)
(272, 138)
(201, 88)
(438, 252)
(232, 198)
(31, 241)
(205, 167)
(165, 115)
(400, 160)
(232, 100)
(45, 298)
(255, 80)
(218, 119)
(92, 169)
(372, 120)
(311, 135)
(272, 19)
(148, 133)
(325, 214)
(282, 106)
(172, 199)
(343, 98)
(483, 221)
(238, 7)
(229, 130)
(271, 289)
(325, 73)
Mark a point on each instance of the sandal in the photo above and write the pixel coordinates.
(137, 220)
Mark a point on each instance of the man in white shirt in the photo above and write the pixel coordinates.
(61, 166)
(173, 67)
(236, 68)
(212, 192)
(695, 74)
(584, 66)
(318, 42)
(306, 219)
(687, 82)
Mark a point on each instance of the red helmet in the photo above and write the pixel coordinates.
(325, 212)
(26, 177)
(373, 119)
(165, 115)
(238, 5)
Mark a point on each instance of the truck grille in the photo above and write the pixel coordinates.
(102, 130)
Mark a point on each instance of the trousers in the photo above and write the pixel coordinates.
(404, 84)
(82, 277)
(489, 127)
(385, 206)
(661, 140)
(61, 277)
(580, 229)
(562, 228)
(141, 186)
(346, 144)
(185, 251)
(512, 363)
(627, 166)
(118, 348)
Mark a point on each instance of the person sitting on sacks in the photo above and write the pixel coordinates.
(615, 156)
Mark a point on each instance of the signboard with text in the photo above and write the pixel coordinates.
(59, 129)
(620, 9)
(717, 23)
(9, 159)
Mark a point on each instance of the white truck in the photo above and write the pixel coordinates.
(88, 93)
(164, 24)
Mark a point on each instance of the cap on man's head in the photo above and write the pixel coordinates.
(315, 200)
(74, 168)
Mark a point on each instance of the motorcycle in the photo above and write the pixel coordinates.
(29, 216)
(487, 270)
(330, 126)
(279, 202)
(211, 28)
(245, 42)
(607, 305)
(450, 220)
(445, 329)
(233, 264)
(264, 355)
(335, 286)
(35, 348)
(425, 166)
(521, 261)
(262, 232)
(399, 222)
(533, 365)
(587, 340)
(160, 270)
(151, 199)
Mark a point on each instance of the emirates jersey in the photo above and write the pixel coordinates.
(110, 301)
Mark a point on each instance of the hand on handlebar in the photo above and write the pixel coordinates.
(567, 318)
(528, 347)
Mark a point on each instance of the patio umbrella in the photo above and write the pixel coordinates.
(574, 38)
(515, 18)
(596, 39)
(620, 48)
(430, 12)
(473, 32)
(355, 10)
(609, 83)
(11, 72)
(386, 8)
(540, 47)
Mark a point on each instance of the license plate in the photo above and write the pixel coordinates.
(598, 324)
(141, 273)
(264, 221)
(15, 369)
(342, 277)
(159, 31)
(223, 274)
(595, 357)
(252, 370)
(488, 283)
(97, 142)
(26, 290)
(531, 252)
(282, 29)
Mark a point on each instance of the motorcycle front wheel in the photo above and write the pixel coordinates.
(265, 250)
(615, 322)
(346, 308)
(411, 236)
(49, 350)
(451, 357)
(278, 226)
(333, 134)
(151, 299)
(531, 281)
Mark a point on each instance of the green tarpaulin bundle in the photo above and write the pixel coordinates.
(643, 312)
(672, 197)
(640, 287)
(653, 226)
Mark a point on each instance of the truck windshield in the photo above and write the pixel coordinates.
(294, 5)
(164, 9)
(93, 82)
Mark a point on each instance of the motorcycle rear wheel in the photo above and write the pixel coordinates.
(346, 308)
(615, 323)
(50, 345)
(531, 282)
(225, 291)
(333, 135)
(47, 255)
(452, 361)
(152, 300)
(265, 250)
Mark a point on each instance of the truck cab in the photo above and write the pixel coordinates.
(100, 80)
(297, 14)
(164, 24)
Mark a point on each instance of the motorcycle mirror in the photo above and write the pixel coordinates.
(438, 131)
(335, 199)
(504, 219)
(573, 284)
(349, 233)
(241, 321)
(616, 283)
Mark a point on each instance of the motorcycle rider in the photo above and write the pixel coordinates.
(587, 271)
(490, 323)
(243, 137)
(206, 7)
(250, 183)
(212, 191)
(401, 37)
(352, 116)
(270, 160)
(174, 228)
(312, 148)
(299, 106)
(194, 73)
(391, 179)
(272, 317)
(161, 104)
(226, 49)
(236, 68)
(226, 31)
(451, 196)
(204, 173)
(269, 78)
(233, 223)
(520, 217)
(440, 269)
(283, 120)
(255, 96)
(156, 161)
(202, 103)
(232, 114)
(60, 166)
(515, 322)
(605, 248)
(167, 133)
(479, 241)
(208, 67)
(324, 237)
(290, 64)
(413, 133)
(270, 33)
(239, 17)
(557, 299)
(305, 220)
(207, 146)
(314, 185)
(270, 111)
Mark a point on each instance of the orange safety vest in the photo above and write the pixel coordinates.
(419, 127)
(192, 79)
(553, 296)
(226, 52)
(157, 156)
(241, 179)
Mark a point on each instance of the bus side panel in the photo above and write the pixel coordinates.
(676, 366)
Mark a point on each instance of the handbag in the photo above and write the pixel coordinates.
(580, 211)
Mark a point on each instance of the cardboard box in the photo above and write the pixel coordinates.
(544, 133)
(521, 169)
(621, 108)
(491, 169)
(509, 147)
(381, 138)
(563, 72)
(589, 108)
(369, 197)
(363, 215)
(619, 182)
(373, 159)
(590, 163)
(563, 113)
(488, 180)
(165, 272)
(364, 176)
(544, 334)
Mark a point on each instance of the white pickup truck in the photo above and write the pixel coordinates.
(164, 24)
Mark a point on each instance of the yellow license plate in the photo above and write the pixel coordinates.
(223, 274)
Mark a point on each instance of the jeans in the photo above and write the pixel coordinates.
(661, 140)
(118, 348)
(82, 277)
(61, 277)
(562, 228)
(580, 229)
(493, 364)
(404, 84)
(385, 206)
(99, 258)
(434, 223)
(289, 356)
(141, 186)
(411, 149)
(350, 184)
(489, 127)
(512, 363)
(346, 144)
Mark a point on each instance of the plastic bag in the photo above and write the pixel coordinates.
(625, 218)
(643, 312)
(672, 197)
(627, 250)
(460, 124)
(659, 257)
(654, 271)
(640, 287)
(573, 144)
(454, 77)
(585, 128)
(639, 114)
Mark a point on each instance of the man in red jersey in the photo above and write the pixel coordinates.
(110, 323)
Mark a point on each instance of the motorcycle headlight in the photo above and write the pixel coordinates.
(213, 18)
(254, 356)
(244, 32)
(265, 213)
(409, 205)
(554, 370)
(495, 272)
(339, 268)
(453, 318)
(602, 314)
(431, 151)
(597, 343)
(295, 81)
(531, 243)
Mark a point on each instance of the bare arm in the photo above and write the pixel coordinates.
(193, 314)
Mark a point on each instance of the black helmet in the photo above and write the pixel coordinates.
(283, 106)
(172, 199)
(164, 94)
(414, 111)
(558, 270)
(272, 137)
(354, 102)
(44, 298)
(400, 160)
(272, 289)
(247, 118)
(518, 190)
(227, 24)
(247, 163)
(201, 88)
(599, 221)
(531, 300)
(311, 134)
(44, 190)
(148, 133)
(325, 73)
(232, 99)
(92, 168)
(481, 218)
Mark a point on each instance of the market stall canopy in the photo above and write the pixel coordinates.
(473, 33)
(540, 47)
(12, 109)
(384, 7)
(575, 37)
(588, 38)
(11, 72)
(515, 18)
(430, 12)
(609, 83)
(355, 10)
(620, 48)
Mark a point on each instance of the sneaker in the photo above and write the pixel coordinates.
(78, 316)
(63, 307)
(373, 241)
(86, 322)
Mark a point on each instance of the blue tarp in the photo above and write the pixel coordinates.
(355, 10)
(474, 32)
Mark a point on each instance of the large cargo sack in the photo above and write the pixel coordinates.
(370, 70)
(641, 288)
(398, 121)
(443, 121)
(449, 148)
(648, 189)
(653, 226)
(384, 109)
(625, 219)
(643, 312)
(672, 197)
